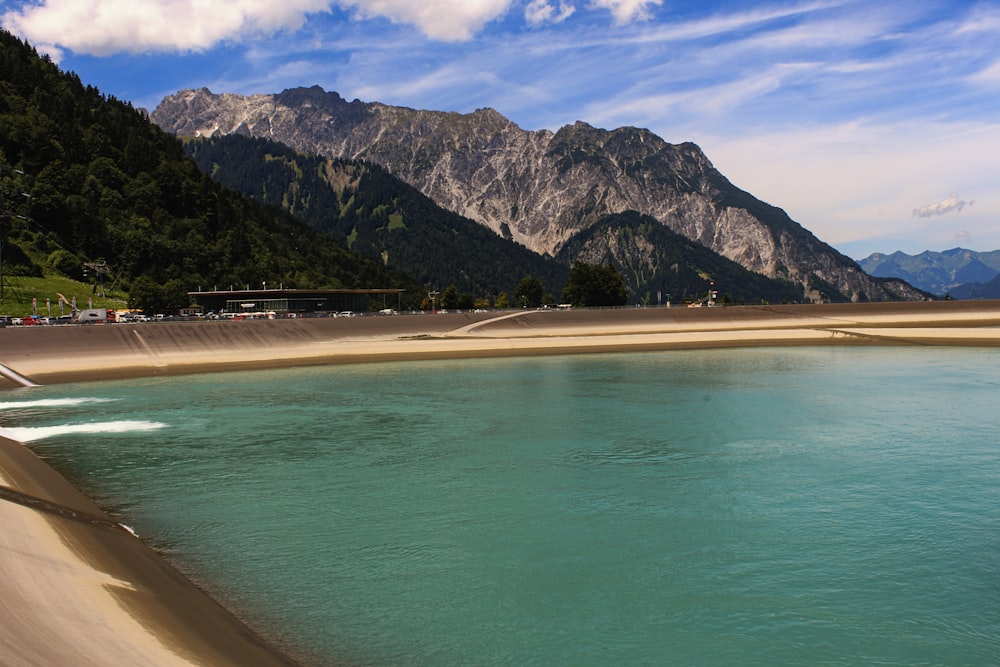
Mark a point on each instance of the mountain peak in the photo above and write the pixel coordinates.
(312, 95)
(489, 112)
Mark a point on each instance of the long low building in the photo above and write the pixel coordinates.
(296, 300)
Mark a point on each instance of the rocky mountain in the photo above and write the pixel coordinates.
(660, 265)
(377, 215)
(540, 188)
(936, 272)
(382, 217)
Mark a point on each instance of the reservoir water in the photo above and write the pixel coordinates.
(802, 506)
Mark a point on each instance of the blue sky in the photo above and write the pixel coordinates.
(876, 125)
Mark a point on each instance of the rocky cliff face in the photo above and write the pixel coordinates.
(539, 188)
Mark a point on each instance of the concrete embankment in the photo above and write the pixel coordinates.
(79, 589)
(45, 354)
(48, 354)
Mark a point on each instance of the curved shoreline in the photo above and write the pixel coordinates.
(79, 589)
(84, 592)
(56, 354)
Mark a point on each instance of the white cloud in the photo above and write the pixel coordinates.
(733, 23)
(952, 203)
(539, 12)
(853, 184)
(705, 105)
(103, 27)
(989, 76)
(982, 19)
(444, 20)
(626, 11)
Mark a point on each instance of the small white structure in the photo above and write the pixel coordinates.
(92, 315)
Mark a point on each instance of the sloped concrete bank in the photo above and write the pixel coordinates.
(50, 354)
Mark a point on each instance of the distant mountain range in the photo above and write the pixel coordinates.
(959, 273)
(542, 189)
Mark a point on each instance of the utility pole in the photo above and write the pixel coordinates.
(100, 267)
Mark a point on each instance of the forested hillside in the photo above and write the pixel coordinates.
(87, 177)
(664, 265)
(377, 215)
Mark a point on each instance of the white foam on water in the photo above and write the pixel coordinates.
(33, 433)
(53, 403)
(130, 530)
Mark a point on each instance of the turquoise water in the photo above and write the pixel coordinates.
(820, 506)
